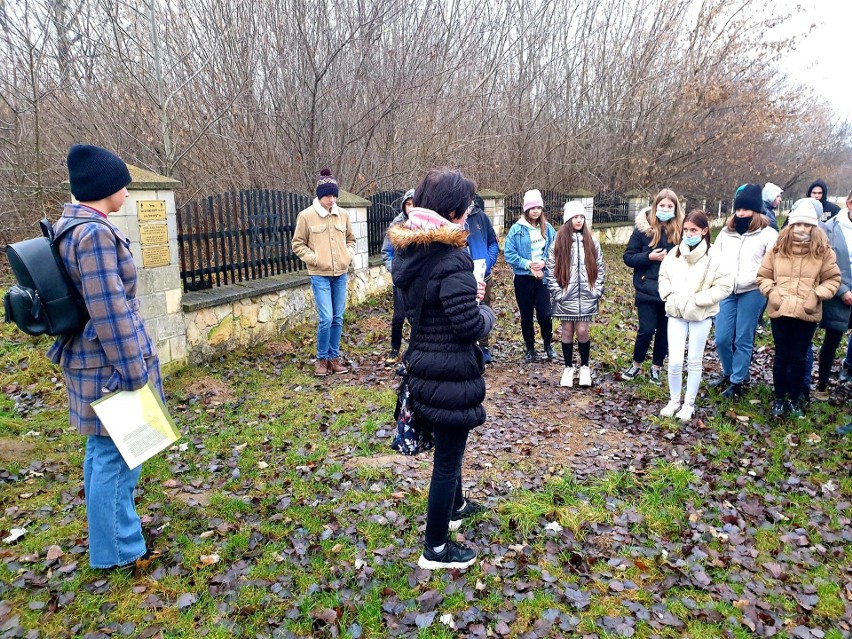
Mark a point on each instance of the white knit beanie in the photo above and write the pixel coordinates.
(770, 192)
(573, 208)
(805, 211)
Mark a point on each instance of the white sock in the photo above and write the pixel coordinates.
(439, 548)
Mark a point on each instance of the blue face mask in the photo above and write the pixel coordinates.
(693, 241)
(665, 216)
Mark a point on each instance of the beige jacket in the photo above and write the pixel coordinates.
(693, 284)
(324, 240)
(797, 286)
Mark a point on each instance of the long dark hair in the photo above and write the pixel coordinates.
(699, 218)
(541, 223)
(562, 248)
(445, 191)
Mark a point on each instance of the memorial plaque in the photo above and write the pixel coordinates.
(153, 234)
(151, 210)
(154, 256)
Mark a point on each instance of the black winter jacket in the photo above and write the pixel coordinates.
(444, 363)
(646, 272)
(829, 209)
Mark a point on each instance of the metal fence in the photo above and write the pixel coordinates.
(553, 202)
(610, 206)
(384, 206)
(237, 236)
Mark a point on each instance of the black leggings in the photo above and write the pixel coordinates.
(532, 295)
(653, 324)
(792, 339)
(445, 489)
(398, 320)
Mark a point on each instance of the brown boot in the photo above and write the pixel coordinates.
(336, 366)
(322, 368)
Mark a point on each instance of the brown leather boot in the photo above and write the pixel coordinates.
(336, 366)
(322, 368)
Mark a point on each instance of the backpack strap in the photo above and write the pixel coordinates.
(48, 231)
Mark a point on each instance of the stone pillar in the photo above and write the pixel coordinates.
(587, 199)
(149, 220)
(357, 208)
(636, 201)
(495, 209)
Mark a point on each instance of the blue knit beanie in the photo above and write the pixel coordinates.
(95, 173)
(327, 185)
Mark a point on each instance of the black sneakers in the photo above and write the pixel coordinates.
(655, 377)
(470, 509)
(631, 372)
(549, 352)
(529, 357)
(719, 381)
(733, 391)
(452, 556)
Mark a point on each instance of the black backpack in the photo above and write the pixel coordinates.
(44, 301)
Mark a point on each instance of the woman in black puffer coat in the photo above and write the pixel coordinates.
(655, 235)
(443, 360)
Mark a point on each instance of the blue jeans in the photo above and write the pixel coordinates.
(330, 296)
(735, 327)
(115, 532)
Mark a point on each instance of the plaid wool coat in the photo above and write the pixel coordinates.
(114, 351)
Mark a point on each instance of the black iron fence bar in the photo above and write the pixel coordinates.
(237, 236)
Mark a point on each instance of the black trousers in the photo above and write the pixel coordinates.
(827, 351)
(792, 339)
(532, 295)
(653, 324)
(398, 320)
(445, 489)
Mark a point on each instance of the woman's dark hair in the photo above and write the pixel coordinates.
(562, 247)
(446, 192)
(699, 218)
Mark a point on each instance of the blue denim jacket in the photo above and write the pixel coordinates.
(517, 249)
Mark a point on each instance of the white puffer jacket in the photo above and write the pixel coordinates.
(693, 284)
(744, 253)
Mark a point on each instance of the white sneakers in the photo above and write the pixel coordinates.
(685, 413)
(568, 376)
(670, 409)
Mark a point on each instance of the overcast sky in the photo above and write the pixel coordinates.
(823, 59)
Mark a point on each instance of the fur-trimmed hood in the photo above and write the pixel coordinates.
(402, 236)
(422, 236)
(643, 222)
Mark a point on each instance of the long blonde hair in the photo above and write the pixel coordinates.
(817, 246)
(673, 226)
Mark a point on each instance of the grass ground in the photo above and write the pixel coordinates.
(282, 512)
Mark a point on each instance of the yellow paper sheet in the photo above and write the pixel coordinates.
(138, 423)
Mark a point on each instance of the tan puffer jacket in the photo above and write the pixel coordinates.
(797, 286)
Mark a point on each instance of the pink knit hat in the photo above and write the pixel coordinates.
(533, 199)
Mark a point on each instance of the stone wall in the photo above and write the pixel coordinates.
(259, 311)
